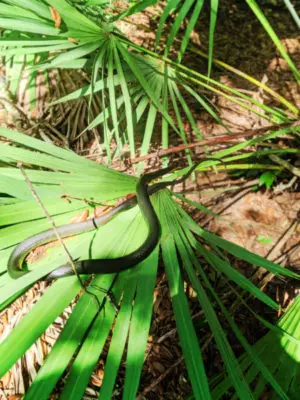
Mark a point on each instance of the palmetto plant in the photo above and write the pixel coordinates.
(134, 86)
(82, 339)
(130, 81)
(284, 366)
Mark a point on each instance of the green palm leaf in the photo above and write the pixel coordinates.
(35, 6)
(54, 301)
(267, 26)
(140, 325)
(279, 353)
(82, 340)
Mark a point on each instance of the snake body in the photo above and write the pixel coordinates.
(99, 266)
(102, 266)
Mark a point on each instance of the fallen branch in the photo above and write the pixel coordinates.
(207, 142)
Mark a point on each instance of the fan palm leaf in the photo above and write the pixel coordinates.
(124, 79)
(279, 350)
(82, 339)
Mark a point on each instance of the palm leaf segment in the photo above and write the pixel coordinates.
(133, 88)
(279, 350)
(86, 331)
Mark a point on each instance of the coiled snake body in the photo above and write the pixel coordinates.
(101, 266)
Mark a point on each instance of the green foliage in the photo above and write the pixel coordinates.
(264, 240)
(263, 20)
(139, 89)
(280, 353)
(267, 179)
(87, 329)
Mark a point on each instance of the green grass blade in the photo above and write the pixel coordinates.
(188, 340)
(127, 98)
(293, 12)
(170, 7)
(195, 204)
(273, 349)
(11, 11)
(15, 154)
(235, 97)
(253, 354)
(187, 111)
(136, 8)
(200, 79)
(105, 114)
(20, 42)
(249, 78)
(214, 4)
(165, 125)
(233, 369)
(187, 5)
(20, 190)
(265, 23)
(87, 90)
(179, 120)
(271, 135)
(106, 129)
(192, 22)
(149, 129)
(40, 145)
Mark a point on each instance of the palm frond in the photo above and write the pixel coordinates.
(84, 335)
(279, 353)
(123, 80)
(84, 321)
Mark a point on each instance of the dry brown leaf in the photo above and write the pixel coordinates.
(157, 366)
(34, 113)
(56, 17)
(97, 378)
(80, 217)
(6, 379)
(73, 40)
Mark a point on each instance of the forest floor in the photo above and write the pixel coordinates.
(265, 221)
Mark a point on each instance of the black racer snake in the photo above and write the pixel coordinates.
(101, 266)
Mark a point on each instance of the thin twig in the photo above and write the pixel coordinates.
(207, 142)
(294, 170)
(87, 201)
(174, 330)
(36, 196)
